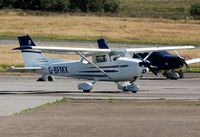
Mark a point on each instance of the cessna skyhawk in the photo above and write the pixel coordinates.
(94, 64)
(161, 61)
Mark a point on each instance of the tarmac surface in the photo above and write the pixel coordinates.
(106, 118)
(22, 91)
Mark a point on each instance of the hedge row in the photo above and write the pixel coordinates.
(195, 9)
(63, 5)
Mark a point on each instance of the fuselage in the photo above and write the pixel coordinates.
(122, 69)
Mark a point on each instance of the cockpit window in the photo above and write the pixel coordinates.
(101, 58)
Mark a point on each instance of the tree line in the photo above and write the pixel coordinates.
(195, 10)
(86, 6)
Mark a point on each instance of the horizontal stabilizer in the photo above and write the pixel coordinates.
(24, 69)
(191, 61)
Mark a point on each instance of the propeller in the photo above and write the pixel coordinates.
(183, 61)
(147, 64)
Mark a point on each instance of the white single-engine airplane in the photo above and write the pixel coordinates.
(95, 64)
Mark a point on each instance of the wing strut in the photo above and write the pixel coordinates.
(149, 54)
(99, 69)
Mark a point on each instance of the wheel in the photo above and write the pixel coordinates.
(50, 78)
(171, 75)
(181, 74)
(86, 91)
(125, 90)
(134, 91)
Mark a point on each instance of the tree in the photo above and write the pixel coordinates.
(6, 3)
(59, 5)
(55, 5)
(64, 5)
(28, 4)
(112, 6)
(195, 9)
(94, 5)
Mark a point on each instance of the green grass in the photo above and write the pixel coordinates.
(5, 67)
(46, 105)
(195, 70)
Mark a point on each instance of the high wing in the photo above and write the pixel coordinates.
(191, 61)
(150, 49)
(64, 50)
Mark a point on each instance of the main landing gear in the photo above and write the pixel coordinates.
(174, 75)
(46, 78)
(86, 87)
(129, 86)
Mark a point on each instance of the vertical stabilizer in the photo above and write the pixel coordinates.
(25, 41)
(32, 58)
(102, 44)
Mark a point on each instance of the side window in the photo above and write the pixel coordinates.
(101, 58)
(85, 61)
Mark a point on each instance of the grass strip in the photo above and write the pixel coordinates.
(46, 105)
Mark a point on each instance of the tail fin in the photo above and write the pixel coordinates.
(25, 41)
(102, 44)
(32, 58)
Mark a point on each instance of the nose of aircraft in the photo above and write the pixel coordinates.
(147, 64)
(173, 62)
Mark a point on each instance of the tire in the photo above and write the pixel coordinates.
(86, 91)
(134, 91)
(50, 78)
(181, 74)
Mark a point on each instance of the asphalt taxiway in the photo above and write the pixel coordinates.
(19, 92)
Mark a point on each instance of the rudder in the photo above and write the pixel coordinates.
(32, 58)
(102, 44)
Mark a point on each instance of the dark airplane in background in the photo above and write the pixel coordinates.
(161, 62)
(166, 63)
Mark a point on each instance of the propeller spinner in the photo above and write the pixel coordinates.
(147, 64)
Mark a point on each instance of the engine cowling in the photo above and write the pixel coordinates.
(86, 86)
